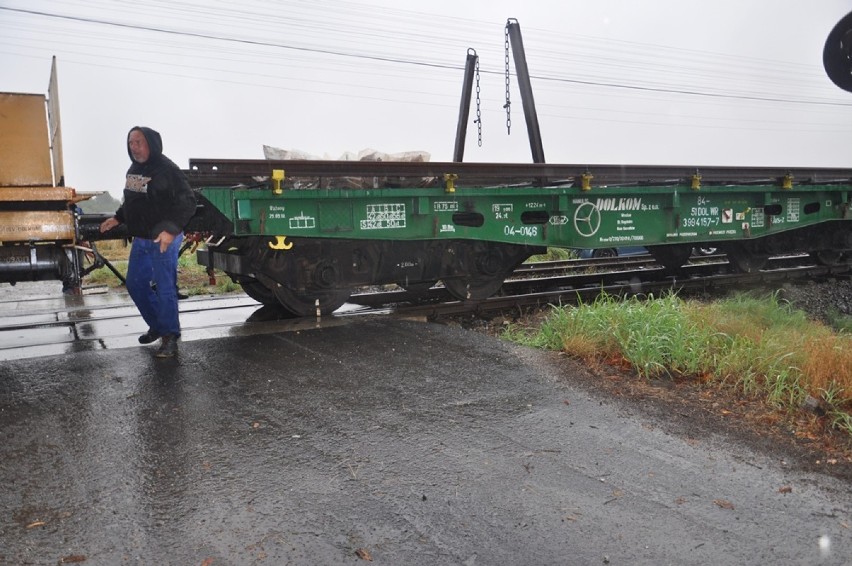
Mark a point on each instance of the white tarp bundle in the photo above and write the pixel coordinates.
(274, 153)
(277, 153)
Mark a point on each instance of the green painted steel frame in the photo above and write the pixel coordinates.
(545, 216)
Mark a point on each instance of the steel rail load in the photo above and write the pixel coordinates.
(304, 233)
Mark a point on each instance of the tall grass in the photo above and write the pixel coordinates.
(757, 344)
(553, 254)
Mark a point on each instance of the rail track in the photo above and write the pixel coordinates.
(49, 323)
(548, 284)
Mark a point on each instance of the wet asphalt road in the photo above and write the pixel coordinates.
(415, 443)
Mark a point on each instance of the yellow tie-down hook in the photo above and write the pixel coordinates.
(280, 244)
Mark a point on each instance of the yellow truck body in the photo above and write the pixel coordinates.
(34, 203)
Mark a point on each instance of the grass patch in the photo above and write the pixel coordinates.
(758, 345)
(553, 254)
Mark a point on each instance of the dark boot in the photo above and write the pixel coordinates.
(168, 347)
(149, 337)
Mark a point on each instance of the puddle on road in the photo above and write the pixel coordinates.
(39, 324)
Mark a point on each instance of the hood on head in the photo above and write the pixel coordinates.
(155, 142)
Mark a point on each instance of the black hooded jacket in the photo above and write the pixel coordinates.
(157, 196)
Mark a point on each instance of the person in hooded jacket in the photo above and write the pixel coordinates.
(158, 202)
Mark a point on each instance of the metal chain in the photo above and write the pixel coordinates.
(478, 111)
(508, 105)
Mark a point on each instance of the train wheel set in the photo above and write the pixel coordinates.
(318, 275)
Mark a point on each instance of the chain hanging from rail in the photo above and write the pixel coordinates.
(478, 110)
(508, 105)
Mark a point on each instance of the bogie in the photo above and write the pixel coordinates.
(322, 273)
(478, 269)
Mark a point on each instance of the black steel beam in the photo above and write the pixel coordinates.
(227, 172)
(464, 106)
(513, 30)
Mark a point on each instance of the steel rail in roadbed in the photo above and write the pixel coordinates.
(228, 172)
(735, 281)
(635, 275)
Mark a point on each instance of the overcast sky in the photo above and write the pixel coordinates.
(669, 82)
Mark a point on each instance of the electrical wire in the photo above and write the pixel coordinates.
(422, 63)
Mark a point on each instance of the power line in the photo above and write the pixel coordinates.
(233, 40)
(397, 60)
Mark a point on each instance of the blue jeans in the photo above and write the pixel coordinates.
(159, 305)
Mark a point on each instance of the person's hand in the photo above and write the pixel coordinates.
(109, 224)
(165, 240)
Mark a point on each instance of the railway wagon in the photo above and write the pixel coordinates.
(472, 224)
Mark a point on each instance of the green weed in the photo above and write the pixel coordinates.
(760, 345)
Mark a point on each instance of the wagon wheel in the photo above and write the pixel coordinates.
(320, 285)
(704, 251)
(252, 287)
(258, 291)
(671, 257)
(746, 260)
(482, 269)
(476, 288)
(322, 291)
(831, 258)
(605, 252)
(304, 303)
